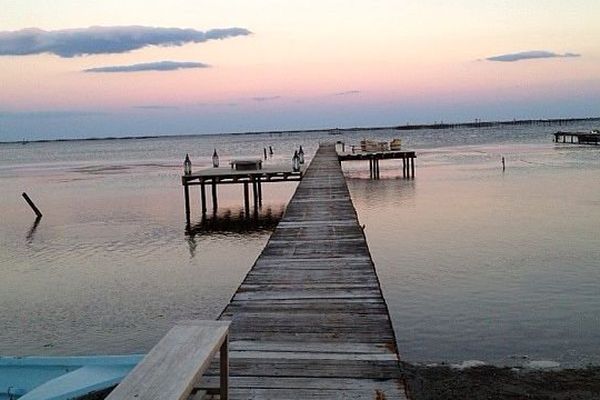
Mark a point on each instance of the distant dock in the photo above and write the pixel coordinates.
(407, 157)
(578, 137)
(309, 321)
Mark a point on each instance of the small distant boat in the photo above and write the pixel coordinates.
(61, 378)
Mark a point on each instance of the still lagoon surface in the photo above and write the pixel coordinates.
(475, 263)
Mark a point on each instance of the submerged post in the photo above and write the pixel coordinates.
(33, 207)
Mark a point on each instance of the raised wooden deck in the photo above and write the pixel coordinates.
(407, 157)
(309, 321)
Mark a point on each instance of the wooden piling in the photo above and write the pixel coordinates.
(259, 185)
(32, 205)
(255, 193)
(214, 194)
(246, 199)
(186, 196)
(203, 197)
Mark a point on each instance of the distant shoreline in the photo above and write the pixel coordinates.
(406, 127)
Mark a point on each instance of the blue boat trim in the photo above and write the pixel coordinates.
(61, 378)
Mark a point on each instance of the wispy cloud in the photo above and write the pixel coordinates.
(530, 55)
(152, 66)
(104, 39)
(230, 104)
(50, 114)
(347, 93)
(266, 98)
(156, 107)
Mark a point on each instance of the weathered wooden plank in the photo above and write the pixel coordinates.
(307, 294)
(315, 394)
(305, 383)
(312, 368)
(314, 347)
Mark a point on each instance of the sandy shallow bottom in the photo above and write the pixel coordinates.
(488, 382)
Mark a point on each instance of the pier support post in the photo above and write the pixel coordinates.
(370, 168)
(246, 199)
(214, 194)
(412, 167)
(255, 193)
(186, 195)
(203, 197)
(259, 185)
(224, 369)
(404, 167)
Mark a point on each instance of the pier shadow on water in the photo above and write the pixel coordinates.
(233, 222)
(237, 221)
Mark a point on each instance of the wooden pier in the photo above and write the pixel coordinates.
(582, 137)
(309, 320)
(222, 176)
(407, 157)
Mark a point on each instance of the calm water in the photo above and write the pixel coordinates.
(475, 263)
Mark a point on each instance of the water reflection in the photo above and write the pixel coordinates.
(382, 193)
(32, 230)
(233, 221)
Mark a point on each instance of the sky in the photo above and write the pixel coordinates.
(79, 68)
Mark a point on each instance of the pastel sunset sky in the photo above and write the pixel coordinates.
(139, 67)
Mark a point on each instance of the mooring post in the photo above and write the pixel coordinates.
(203, 196)
(214, 194)
(33, 207)
(186, 195)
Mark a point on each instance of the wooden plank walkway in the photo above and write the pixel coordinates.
(309, 321)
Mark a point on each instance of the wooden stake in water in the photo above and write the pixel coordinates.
(33, 207)
(503, 164)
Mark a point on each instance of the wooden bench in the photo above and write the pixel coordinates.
(177, 362)
(246, 165)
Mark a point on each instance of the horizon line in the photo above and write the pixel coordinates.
(441, 125)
